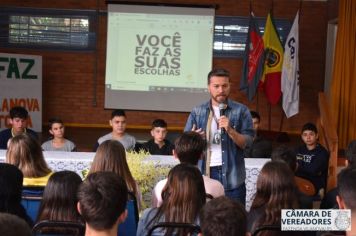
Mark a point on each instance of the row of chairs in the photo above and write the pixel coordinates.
(44, 228)
(31, 199)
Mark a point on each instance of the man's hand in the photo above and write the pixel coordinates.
(239, 139)
(224, 122)
(199, 131)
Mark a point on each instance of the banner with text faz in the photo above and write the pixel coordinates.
(21, 85)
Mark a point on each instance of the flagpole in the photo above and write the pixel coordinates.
(282, 119)
(269, 116)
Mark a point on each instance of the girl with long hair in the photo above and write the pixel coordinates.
(25, 153)
(183, 197)
(276, 190)
(59, 201)
(111, 156)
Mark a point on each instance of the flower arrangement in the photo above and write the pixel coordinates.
(146, 173)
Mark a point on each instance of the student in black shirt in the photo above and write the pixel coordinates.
(159, 145)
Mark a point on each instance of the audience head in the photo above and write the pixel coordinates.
(111, 156)
(25, 152)
(183, 195)
(346, 185)
(159, 130)
(18, 119)
(11, 186)
(309, 134)
(56, 127)
(276, 190)
(189, 147)
(60, 197)
(12, 225)
(222, 216)
(285, 154)
(118, 121)
(255, 120)
(351, 154)
(102, 200)
(219, 72)
(11, 179)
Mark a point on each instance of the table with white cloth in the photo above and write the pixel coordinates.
(79, 161)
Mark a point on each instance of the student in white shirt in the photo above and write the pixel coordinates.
(189, 149)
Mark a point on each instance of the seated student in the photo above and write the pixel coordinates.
(329, 200)
(10, 192)
(58, 142)
(26, 153)
(18, 121)
(189, 149)
(102, 199)
(12, 225)
(261, 147)
(312, 158)
(118, 124)
(59, 201)
(111, 156)
(158, 145)
(183, 197)
(276, 190)
(287, 155)
(223, 216)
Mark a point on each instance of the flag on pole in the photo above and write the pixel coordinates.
(271, 79)
(253, 60)
(290, 71)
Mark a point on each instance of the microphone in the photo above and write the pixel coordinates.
(222, 107)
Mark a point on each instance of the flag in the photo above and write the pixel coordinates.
(271, 79)
(253, 60)
(290, 71)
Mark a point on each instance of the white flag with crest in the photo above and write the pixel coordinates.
(290, 71)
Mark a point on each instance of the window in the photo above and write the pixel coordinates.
(230, 34)
(47, 28)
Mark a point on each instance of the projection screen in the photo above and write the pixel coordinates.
(158, 57)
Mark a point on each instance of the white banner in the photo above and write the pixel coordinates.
(21, 85)
(290, 71)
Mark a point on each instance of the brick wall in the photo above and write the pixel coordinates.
(74, 90)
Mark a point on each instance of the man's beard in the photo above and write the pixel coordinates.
(220, 98)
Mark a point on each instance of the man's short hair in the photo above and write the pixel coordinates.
(351, 153)
(218, 72)
(285, 154)
(118, 112)
(309, 126)
(223, 216)
(189, 147)
(12, 225)
(255, 115)
(54, 120)
(159, 123)
(346, 185)
(18, 112)
(102, 198)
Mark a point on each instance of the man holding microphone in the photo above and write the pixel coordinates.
(227, 126)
